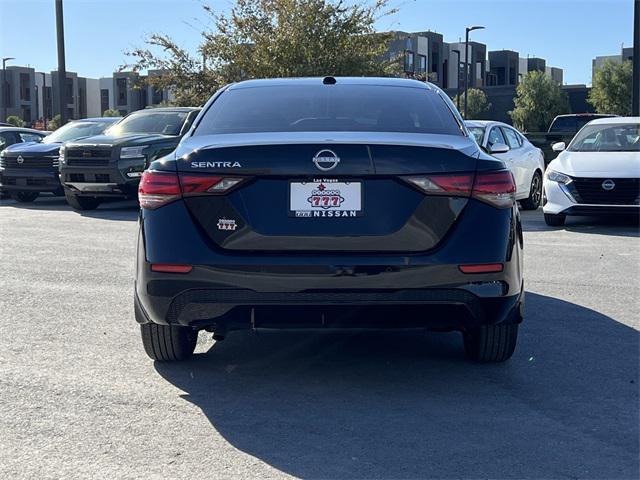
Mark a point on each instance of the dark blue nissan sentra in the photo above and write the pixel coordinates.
(329, 203)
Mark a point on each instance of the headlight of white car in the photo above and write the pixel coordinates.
(558, 177)
(132, 152)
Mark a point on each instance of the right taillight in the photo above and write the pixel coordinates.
(496, 188)
(158, 188)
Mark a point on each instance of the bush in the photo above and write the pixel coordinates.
(15, 121)
(111, 113)
(54, 123)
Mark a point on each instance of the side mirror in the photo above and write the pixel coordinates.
(498, 148)
(558, 146)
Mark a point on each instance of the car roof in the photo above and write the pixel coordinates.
(97, 119)
(485, 123)
(167, 109)
(372, 81)
(23, 130)
(615, 120)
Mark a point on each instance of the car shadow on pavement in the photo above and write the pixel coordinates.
(621, 226)
(407, 405)
(119, 210)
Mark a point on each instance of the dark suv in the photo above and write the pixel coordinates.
(110, 165)
(329, 203)
(29, 169)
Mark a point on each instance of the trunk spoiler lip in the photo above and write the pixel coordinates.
(210, 142)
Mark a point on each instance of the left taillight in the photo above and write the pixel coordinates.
(159, 188)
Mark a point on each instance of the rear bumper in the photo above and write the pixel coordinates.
(31, 180)
(362, 291)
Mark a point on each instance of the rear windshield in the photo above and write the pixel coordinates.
(149, 121)
(324, 108)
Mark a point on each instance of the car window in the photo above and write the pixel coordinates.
(6, 139)
(334, 108)
(564, 124)
(478, 134)
(607, 138)
(495, 136)
(512, 138)
(76, 130)
(30, 137)
(150, 121)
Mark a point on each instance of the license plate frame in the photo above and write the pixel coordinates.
(303, 194)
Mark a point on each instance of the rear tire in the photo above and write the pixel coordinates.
(81, 203)
(491, 343)
(554, 220)
(168, 343)
(535, 193)
(24, 197)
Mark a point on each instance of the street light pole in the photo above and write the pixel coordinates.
(466, 63)
(62, 69)
(4, 87)
(457, 80)
(635, 103)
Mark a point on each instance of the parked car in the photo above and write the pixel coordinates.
(12, 135)
(110, 165)
(562, 129)
(598, 174)
(335, 202)
(525, 161)
(31, 168)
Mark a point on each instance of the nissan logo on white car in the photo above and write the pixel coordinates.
(608, 185)
(326, 160)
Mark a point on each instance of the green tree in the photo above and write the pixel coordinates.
(612, 88)
(111, 113)
(538, 100)
(15, 121)
(55, 122)
(477, 103)
(271, 38)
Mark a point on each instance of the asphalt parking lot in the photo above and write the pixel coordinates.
(79, 398)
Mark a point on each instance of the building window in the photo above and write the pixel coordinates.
(422, 64)
(69, 91)
(121, 91)
(25, 90)
(409, 61)
(104, 100)
(156, 96)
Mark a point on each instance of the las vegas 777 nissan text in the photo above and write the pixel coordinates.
(329, 203)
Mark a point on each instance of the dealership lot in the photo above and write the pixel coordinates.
(81, 399)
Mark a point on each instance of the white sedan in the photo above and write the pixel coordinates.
(597, 174)
(525, 161)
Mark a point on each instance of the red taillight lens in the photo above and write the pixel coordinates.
(482, 268)
(495, 188)
(453, 184)
(159, 188)
(170, 268)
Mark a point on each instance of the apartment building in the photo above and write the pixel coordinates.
(624, 55)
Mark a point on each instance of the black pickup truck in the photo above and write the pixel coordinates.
(109, 166)
(562, 129)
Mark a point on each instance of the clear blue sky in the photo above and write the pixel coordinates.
(568, 33)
